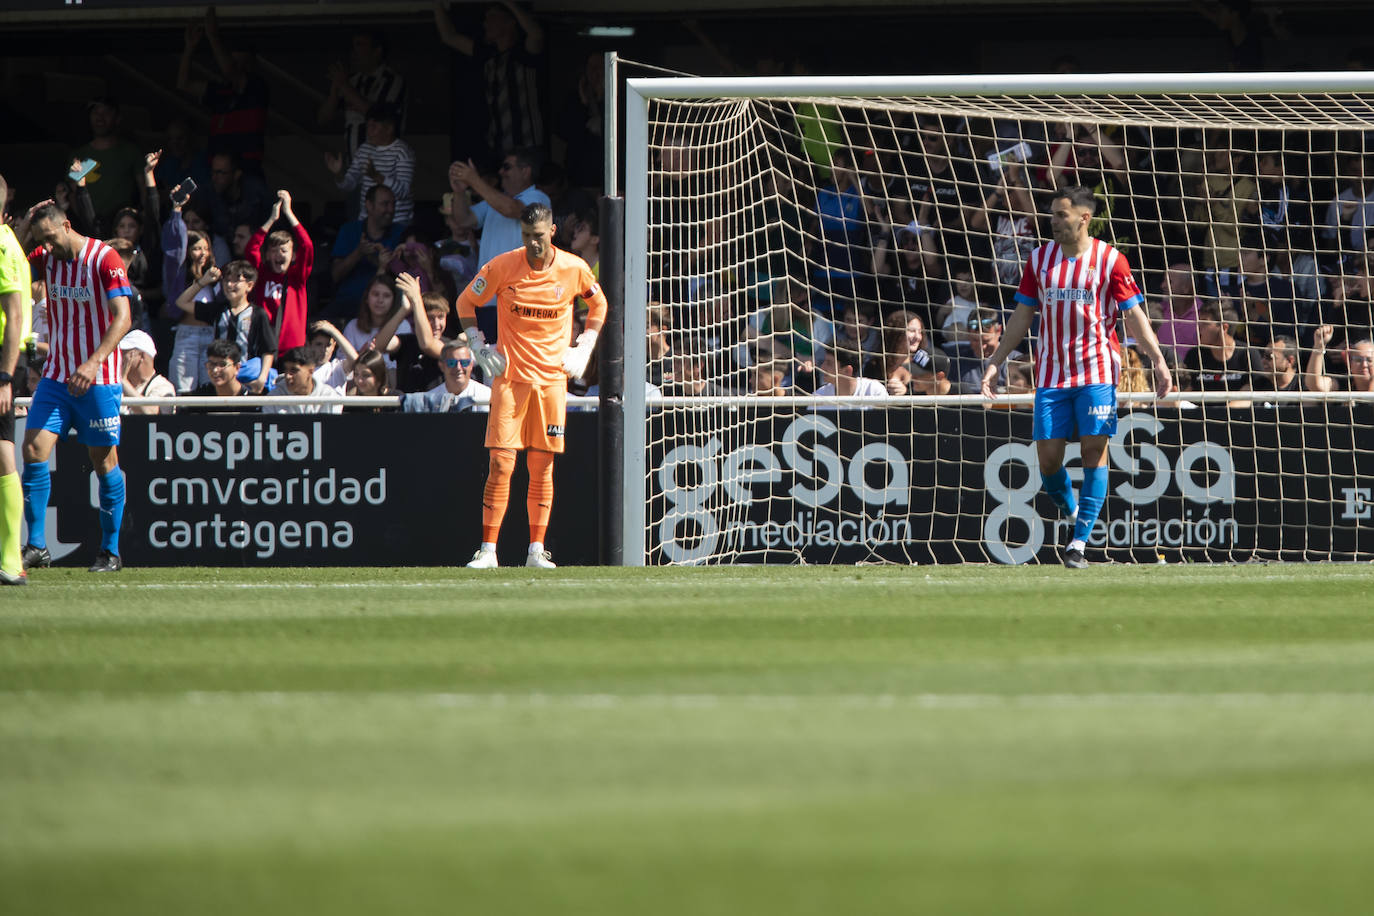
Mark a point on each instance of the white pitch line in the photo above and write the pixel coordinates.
(613, 701)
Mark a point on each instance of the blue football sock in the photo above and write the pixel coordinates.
(1090, 504)
(1060, 490)
(37, 490)
(111, 509)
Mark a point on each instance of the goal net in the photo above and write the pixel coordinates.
(816, 267)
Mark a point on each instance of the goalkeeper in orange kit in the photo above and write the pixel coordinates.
(535, 286)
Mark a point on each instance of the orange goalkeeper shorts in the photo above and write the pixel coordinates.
(525, 415)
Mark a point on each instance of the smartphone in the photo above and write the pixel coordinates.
(83, 168)
(182, 192)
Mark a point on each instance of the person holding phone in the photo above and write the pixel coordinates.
(117, 165)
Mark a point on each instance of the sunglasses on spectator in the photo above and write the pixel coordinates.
(455, 363)
(983, 324)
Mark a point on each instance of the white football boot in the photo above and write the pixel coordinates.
(484, 558)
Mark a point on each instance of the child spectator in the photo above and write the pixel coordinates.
(298, 380)
(188, 256)
(232, 316)
(369, 381)
(222, 360)
(283, 260)
(378, 306)
(417, 357)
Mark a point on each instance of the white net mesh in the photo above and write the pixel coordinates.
(871, 248)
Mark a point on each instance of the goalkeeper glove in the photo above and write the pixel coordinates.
(491, 360)
(576, 358)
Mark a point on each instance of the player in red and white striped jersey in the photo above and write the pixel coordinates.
(1078, 286)
(88, 313)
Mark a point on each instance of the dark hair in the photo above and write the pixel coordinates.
(365, 314)
(531, 157)
(224, 348)
(843, 356)
(127, 211)
(1290, 346)
(1078, 196)
(376, 36)
(374, 364)
(307, 355)
(279, 237)
(371, 195)
(48, 212)
(242, 269)
(536, 213)
(4, 195)
(193, 236)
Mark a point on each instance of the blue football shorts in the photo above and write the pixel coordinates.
(1071, 413)
(94, 415)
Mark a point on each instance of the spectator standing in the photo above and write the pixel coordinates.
(234, 196)
(115, 180)
(141, 379)
(236, 101)
(383, 159)
(497, 215)
(371, 83)
(232, 316)
(417, 358)
(363, 248)
(283, 260)
(510, 73)
(88, 314)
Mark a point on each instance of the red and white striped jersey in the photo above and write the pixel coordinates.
(1079, 300)
(79, 294)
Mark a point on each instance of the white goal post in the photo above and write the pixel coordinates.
(727, 183)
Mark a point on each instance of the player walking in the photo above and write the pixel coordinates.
(1079, 285)
(88, 314)
(534, 286)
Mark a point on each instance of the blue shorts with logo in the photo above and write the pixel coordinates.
(1071, 413)
(95, 414)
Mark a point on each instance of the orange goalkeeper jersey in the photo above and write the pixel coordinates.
(534, 310)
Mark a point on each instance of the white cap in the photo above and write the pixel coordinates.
(138, 340)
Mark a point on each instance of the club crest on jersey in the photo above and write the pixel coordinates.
(558, 290)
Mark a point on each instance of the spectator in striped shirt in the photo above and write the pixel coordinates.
(384, 159)
(371, 82)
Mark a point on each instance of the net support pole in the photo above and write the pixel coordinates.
(636, 287)
(611, 413)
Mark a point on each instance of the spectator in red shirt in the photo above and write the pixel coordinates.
(283, 259)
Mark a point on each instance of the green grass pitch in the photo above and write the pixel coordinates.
(1124, 740)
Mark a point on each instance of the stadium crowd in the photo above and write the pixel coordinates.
(894, 255)
(912, 241)
(235, 293)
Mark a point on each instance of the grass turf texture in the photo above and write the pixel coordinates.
(787, 740)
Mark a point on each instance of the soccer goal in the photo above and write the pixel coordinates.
(814, 266)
